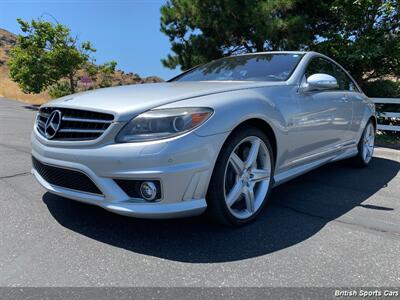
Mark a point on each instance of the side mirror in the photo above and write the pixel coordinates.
(320, 82)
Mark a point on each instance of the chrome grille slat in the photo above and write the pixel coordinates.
(40, 122)
(76, 124)
(85, 120)
(81, 130)
(41, 130)
(44, 115)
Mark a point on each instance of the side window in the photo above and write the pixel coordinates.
(321, 65)
(346, 82)
(342, 79)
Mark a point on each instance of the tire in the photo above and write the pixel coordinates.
(236, 173)
(365, 146)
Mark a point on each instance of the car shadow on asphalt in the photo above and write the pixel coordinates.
(297, 210)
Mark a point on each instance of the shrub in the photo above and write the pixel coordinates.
(59, 89)
(382, 89)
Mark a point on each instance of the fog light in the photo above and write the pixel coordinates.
(148, 190)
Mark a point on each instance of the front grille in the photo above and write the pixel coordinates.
(65, 178)
(75, 124)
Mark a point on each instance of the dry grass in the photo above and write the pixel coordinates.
(10, 89)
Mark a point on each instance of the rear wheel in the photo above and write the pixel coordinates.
(366, 146)
(242, 177)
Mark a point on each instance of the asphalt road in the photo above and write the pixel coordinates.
(335, 226)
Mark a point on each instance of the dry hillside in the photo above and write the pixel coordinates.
(11, 90)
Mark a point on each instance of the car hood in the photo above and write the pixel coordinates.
(126, 101)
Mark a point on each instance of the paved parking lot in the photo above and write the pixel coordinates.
(336, 226)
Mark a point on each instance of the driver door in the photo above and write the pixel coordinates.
(322, 126)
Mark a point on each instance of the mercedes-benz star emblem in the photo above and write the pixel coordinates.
(52, 124)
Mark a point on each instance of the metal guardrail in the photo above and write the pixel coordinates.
(388, 116)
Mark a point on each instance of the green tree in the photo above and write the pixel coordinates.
(45, 54)
(363, 35)
(106, 71)
(200, 30)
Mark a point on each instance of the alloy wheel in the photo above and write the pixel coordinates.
(368, 143)
(247, 177)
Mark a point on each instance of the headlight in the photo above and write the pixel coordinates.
(163, 123)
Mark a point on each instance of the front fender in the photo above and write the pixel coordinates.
(273, 105)
(233, 108)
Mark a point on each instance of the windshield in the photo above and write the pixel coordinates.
(254, 67)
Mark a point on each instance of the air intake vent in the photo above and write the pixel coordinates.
(65, 178)
(75, 124)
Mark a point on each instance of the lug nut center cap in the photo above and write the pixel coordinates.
(246, 176)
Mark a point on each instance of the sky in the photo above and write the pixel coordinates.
(127, 31)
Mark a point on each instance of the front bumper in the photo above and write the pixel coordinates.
(183, 165)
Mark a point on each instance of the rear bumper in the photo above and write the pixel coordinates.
(183, 165)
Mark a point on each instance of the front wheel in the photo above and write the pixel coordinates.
(366, 146)
(242, 177)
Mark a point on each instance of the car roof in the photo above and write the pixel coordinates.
(276, 52)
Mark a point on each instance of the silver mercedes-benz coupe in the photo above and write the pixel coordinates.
(217, 137)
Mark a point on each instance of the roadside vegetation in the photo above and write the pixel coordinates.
(383, 88)
(46, 61)
(388, 139)
(48, 57)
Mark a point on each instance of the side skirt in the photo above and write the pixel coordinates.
(297, 171)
